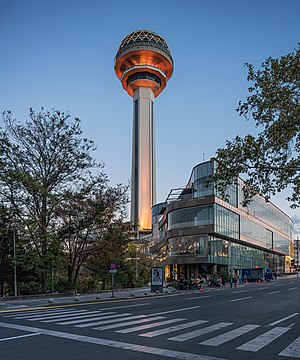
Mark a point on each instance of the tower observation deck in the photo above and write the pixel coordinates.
(143, 64)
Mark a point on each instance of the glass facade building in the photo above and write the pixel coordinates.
(196, 232)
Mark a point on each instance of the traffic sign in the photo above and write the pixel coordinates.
(113, 266)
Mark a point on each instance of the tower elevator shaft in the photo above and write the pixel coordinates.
(143, 175)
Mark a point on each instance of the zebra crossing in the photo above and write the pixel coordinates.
(153, 325)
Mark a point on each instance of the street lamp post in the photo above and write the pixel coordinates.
(14, 228)
(297, 247)
(136, 262)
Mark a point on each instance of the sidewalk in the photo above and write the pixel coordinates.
(24, 302)
(27, 302)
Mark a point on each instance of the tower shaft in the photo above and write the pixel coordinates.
(143, 175)
(144, 65)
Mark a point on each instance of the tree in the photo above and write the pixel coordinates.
(6, 250)
(269, 160)
(41, 160)
(111, 247)
(84, 217)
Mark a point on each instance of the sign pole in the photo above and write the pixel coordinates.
(113, 270)
(112, 284)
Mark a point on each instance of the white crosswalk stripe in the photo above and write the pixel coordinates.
(148, 326)
(230, 335)
(172, 328)
(108, 315)
(126, 323)
(76, 317)
(199, 332)
(60, 316)
(263, 340)
(103, 322)
(293, 350)
(36, 316)
(45, 317)
(34, 312)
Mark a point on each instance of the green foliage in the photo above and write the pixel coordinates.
(88, 221)
(71, 222)
(111, 246)
(269, 160)
(223, 273)
(50, 180)
(6, 250)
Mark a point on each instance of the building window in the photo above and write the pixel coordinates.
(190, 217)
(226, 222)
(188, 245)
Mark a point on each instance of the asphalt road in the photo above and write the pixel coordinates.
(254, 321)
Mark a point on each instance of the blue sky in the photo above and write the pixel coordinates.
(59, 54)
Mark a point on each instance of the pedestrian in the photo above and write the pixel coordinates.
(275, 275)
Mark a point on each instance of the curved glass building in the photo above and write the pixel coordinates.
(196, 232)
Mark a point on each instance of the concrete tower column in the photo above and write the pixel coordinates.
(143, 176)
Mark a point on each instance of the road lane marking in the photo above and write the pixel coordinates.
(230, 335)
(114, 344)
(19, 337)
(125, 306)
(293, 350)
(263, 340)
(199, 332)
(151, 334)
(273, 292)
(280, 285)
(244, 298)
(126, 323)
(263, 288)
(176, 310)
(148, 326)
(198, 297)
(239, 291)
(293, 288)
(283, 319)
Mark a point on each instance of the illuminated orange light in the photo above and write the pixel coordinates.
(136, 60)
